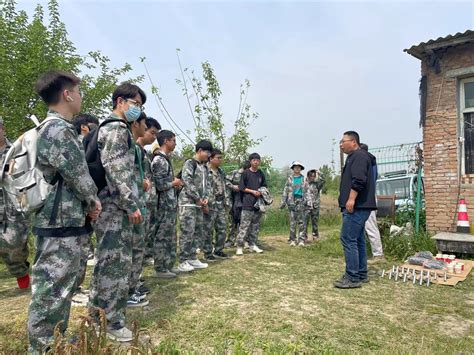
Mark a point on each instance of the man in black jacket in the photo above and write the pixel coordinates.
(356, 200)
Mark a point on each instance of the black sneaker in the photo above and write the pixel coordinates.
(221, 255)
(143, 289)
(343, 282)
(210, 258)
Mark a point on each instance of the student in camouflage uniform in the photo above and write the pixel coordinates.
(152, 129)
(235, 202)
(250, 182)
(313, 186)
(215, 220)
(60, 225)
(139, 177)
(165, 228)
(83, 124)
(193, 202)
(114, 228)
(14, 230)
(293, 197)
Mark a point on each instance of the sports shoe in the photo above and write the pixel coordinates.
(255, 249)
(365, 281)
(142, 289)
(246, 245)
(175, 270)
(220, 255)
(136, 300)
(301, 244)
(197, 264)
(164, 274)
(229, 245)
(239, 252)
(121, 335)
(198, 250)
(343, 282)
(185, 267)
(211, 258)
(293, 243)
(315, 234)
(24, 281)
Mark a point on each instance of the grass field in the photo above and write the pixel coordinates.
(282, 301)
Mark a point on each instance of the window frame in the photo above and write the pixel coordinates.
(462, 111)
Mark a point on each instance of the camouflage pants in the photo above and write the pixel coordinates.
(311, 216)
(14, 245)
(138, 254)
(164, 249)
(83, 263)
(54, 279)
(150, 223)
(191, 219)
(113, 264)
(214, 221)
(249, 227)
(297, 219)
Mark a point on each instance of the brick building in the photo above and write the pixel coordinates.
(447, 119)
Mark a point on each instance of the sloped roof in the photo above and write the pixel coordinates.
(420, 50)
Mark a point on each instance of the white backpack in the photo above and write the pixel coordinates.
(22, 181)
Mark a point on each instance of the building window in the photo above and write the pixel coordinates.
(467, 117)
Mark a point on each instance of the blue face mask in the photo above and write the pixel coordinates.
(132, 113)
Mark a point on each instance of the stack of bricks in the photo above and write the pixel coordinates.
(442, 150)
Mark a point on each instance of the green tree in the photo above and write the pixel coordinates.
(29, 47)
(202, 93)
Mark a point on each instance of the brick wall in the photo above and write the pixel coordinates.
(440, 141)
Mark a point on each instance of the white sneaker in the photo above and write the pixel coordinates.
(197, 264)
(301, 244)
(198, 250)
(255, 249)
(121, 335)
(185, 267)
(239, 252)
(246, 245)
(293, 243)
(175, 270)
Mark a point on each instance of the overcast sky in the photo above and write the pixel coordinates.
(316, 68)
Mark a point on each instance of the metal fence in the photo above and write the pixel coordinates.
(406, 157)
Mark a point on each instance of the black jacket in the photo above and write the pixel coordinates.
(358, 175)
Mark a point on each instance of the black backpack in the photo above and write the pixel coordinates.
(94, 163)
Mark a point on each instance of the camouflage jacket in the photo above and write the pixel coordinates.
(151, 195)
(313, 192)
(163, 177)
(139, 176)
(231, 179)
(196, 182)
(218, 186)
(117, 153)
(288, 197)
(59, 152)
(5, 207)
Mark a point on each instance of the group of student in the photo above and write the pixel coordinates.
(132, 208)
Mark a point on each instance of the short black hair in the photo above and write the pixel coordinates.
(354, 135)
(163, 135)
(364, 147)
(141, 117)
(215, 152)
(84, 118)
(50, 85)
(311, 172)
(151, 122)
(254, 156)
(204, 145)
(127, 91)
(246, 165)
